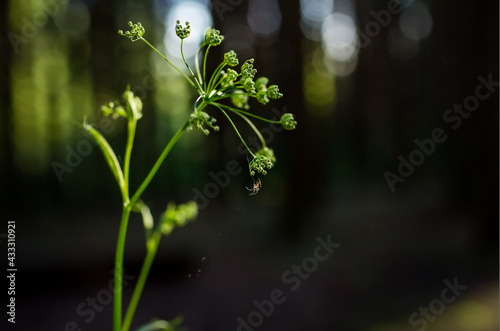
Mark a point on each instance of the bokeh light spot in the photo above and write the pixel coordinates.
(264, 17)
(339, 37)
(416, 21)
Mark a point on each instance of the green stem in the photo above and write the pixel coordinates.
(254, 128)
(214, 77)
(237, 84)
(158, 163)
(132, 123)
(200, 89)
(120, 247)
(235, 129)
(118, 272)
(197, 63)
(152, 248)
(236, 110)
(163, 57)
(205, 66)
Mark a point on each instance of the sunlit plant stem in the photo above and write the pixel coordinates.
(236, 87)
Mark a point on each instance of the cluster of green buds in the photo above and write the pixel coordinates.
(178, 216)
(136, 31)
(181, 32)
(115, 109)
(226, 82)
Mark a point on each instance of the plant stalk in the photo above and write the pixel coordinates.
(120, 246)
(235, 129)
(118, 272)
(163, 57)
(152, 248)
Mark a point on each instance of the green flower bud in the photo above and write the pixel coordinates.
(230, 58)
(135, 33)
(260, 84)
(262, 97)
(240, 100)
(273, 92)
(186, 212)
(197, 120)
(228, 77)
(247, 70)
(213, 37)
(181, 32)
(267, 152)
(259, 164)
(167, 228)
(107, 109)
(134, 104)
(138, 104)
(288, 122)
(113, 109)
(249, 85)
(178, 216)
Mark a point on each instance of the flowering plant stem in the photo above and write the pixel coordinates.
(152, 244)
(152, 247)
(120, 248)
(238, 88)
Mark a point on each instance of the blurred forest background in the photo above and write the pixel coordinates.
(363, 82)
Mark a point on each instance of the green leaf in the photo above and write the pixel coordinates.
(108, 153)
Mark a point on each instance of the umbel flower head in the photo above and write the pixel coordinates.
(247, 70)
(182, 32)
(268, 153)
(227, 90)
(113, 109)
(259, 164)
(136, 32)
(274, 92)
(288, 122)
(198, 120)
(213, 37)
(228, 77)
(133, 107)
(231, 59)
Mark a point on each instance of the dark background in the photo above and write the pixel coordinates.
(397, 248)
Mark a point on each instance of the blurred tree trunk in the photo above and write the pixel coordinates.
(303, 145)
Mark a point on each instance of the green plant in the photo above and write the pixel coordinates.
(238, 88)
